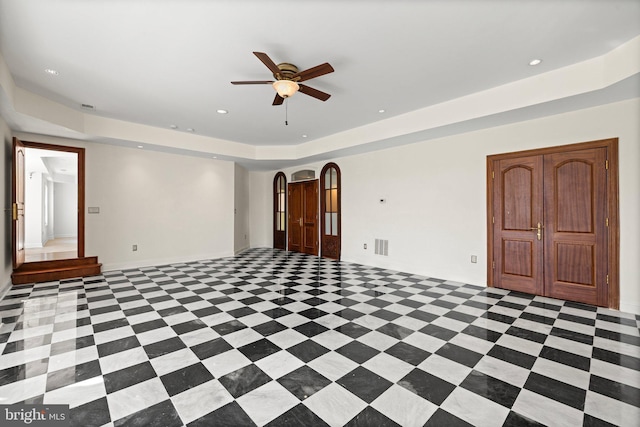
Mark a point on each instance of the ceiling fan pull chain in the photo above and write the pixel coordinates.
(286, 111)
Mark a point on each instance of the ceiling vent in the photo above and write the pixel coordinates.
(88, 107)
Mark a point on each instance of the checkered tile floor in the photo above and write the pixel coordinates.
(282, 339)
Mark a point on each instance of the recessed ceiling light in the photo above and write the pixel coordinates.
(380, 111)
(51, 71)
(535, 62)
(221, 111)
(173, 126)
(304, 136)
(190, 130)
(140, 146)
(215, 157)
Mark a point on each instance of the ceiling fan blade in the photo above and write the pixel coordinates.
(278, 100)
(318, 94)
(268, 62)
(253, 82)
(311, 73)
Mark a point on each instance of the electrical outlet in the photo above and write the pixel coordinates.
(365, 246)
(474, 259)
(135, 248)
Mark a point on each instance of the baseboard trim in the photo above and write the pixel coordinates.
(239, 251)
(125, 265)
(4, 288)
(630, 308)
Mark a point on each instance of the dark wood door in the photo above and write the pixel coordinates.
(17, 200)
(575, 226)
(517, 208)
(303, 217)
(550, 225)
(295, 217)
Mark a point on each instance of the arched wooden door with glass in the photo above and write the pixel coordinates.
(330, 207)
(280, 211)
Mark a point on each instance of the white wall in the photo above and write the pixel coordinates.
(48, 187)
(65, 208)
(34, 232)
(6, 263)
(241, 210)
(175, 208)
(435, 214)
(261, 209)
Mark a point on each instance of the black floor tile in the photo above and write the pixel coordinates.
(259, 349)
(95, 413)
(304, 382)
(244, 380)
(161, 414)
(364, 384)
(129, 376)
(427, 386)
(185, 378)
(164, 347)
(370, 417)
(408, 353)
(491, 388)
(307, 350)
(297, 416)
(357, 351)
(556, 390)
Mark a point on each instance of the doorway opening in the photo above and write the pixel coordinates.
(297, 224)
(51, 204)
(37, 255)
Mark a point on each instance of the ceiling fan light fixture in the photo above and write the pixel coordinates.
(286, 88)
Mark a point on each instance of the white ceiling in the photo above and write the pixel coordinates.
(170, 62)
(60, 166)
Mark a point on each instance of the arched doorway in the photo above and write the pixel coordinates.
(280, 211)
(330, 207)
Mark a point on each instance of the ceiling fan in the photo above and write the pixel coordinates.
(288, 79)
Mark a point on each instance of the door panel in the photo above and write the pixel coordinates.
(303, 217)
(518, 254)
(295, 215)
(17, 196)
(330, 211)
(310, 218)
(575, 230)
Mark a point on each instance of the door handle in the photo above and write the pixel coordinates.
(539, 230)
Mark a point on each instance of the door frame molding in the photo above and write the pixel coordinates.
(275, 209)
(323, 205)
(81, 184)
(613, 235)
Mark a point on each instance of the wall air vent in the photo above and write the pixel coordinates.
(88, 107)
(382, 247)
(303, 175)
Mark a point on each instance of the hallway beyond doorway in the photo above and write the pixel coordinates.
(62, 248)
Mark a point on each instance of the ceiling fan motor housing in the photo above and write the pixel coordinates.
(287, 71)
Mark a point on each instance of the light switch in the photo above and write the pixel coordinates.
(94, 210)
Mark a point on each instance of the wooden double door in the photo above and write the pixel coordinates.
(303, 217)
(553, 222)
